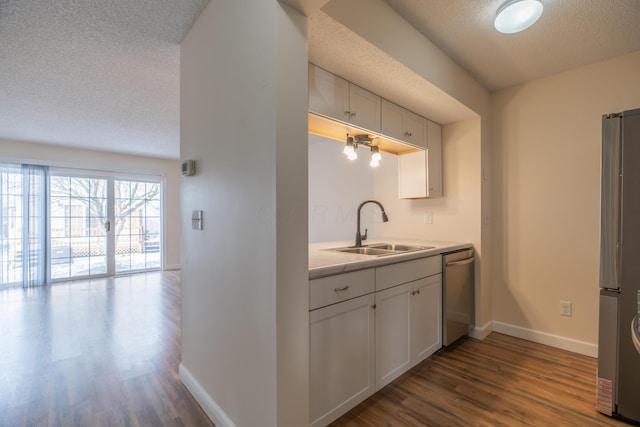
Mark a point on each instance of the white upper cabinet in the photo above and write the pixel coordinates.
(403, 125)
(339, 107)
(336, 98)
(420, 173)
(328, 94)
(364, 108)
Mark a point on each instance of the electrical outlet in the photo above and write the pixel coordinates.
(565, 308)
(428, 218)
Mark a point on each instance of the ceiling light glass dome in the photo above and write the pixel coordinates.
(515, 16)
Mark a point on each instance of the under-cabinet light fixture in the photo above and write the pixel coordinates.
(517, 15)
(375, 157)
(351, 146)
(350, 149)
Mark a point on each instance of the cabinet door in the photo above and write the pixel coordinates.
(401, 124)
(341, 360)
(364, 108)
(434, 159)
(391, 121)
(328, 94)
(393, 333)
(420, 173)
(415, 129)
(426, 317)
(412, 175)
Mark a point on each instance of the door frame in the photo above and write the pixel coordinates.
(110, 245)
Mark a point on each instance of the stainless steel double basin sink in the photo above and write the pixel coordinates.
(380, 249)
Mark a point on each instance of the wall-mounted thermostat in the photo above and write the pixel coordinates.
(188, 168)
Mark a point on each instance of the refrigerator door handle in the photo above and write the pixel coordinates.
(610, 202)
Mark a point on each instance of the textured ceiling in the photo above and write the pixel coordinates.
(104, 74)
(339, 50)
(93, 73)
(570, 33)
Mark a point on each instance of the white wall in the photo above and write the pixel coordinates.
(336, 187)
(245, 327)
(46, 154)
(546, 157)
(456, 215)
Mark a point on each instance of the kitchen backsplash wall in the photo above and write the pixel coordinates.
(337, 186)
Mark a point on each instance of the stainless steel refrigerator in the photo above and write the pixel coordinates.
(618, 389)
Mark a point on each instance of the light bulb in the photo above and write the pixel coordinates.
(375, 157)
(350, 149)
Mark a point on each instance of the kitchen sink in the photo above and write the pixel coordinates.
(364, 251)
(380, 249)
(399, 248)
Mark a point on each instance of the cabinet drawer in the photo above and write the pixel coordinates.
(333, 289)
(397, 274)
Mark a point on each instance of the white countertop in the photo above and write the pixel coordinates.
(327, 263)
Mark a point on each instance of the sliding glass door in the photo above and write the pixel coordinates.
(137, 213)
(101, 226)
(78, 209)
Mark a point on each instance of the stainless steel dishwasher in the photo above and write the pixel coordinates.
(457, 294)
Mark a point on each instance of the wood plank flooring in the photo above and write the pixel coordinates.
(105, 352)
(501, 381)
(101, 352)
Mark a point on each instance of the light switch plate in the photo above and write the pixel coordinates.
(196, 220)
(428, 218)
(565, 308)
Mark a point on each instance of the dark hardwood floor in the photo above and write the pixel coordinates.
(501, 381)
(106, 352)
(101, 352)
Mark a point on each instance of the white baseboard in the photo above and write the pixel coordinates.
(210, 407)
(172, 267)
(482, 332)
(564, 343)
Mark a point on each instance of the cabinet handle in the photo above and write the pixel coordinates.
(344, 288)
(374, 306)
(415, 292)
(407, 133)
(347, 112)
(353, 113)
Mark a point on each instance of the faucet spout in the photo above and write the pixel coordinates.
(360, 237)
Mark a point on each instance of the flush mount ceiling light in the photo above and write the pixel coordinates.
(517, 15)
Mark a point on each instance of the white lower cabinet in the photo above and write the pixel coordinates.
(341, 358)
(408, 326)
(426, 318)
(369, 327)
(393, 329)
